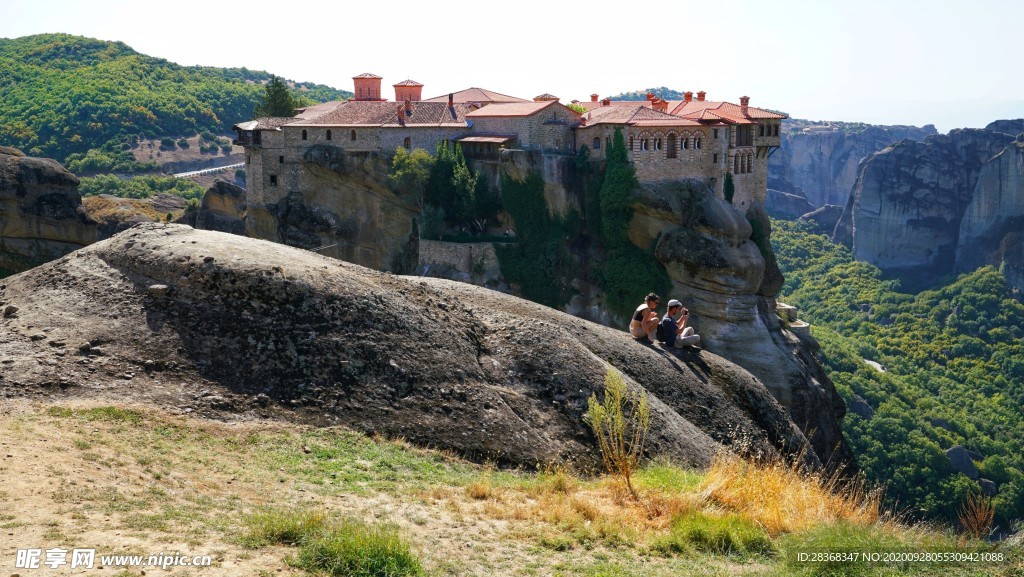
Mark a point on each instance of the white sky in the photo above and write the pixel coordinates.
(952, 63)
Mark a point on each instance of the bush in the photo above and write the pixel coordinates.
(729, 534)
(183, 143)
(167, 143)
(620, 424)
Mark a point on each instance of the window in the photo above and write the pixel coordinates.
(775, 130)
(745, 135)
(305, 136)
(671, 146)
(329, 135)
(631, 142)
(353, 135)
(714, 158)
(696, 143)
(736, 164)
(643, 144)
(714, 133)
(597, 143)
(407, 143)
(743, 163)
(657, 144)
(760, 130)
(273, 180)
(280, 160)
(686, 143)
(750, 163)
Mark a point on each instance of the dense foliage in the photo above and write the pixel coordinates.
(954, 372)
(278, 100)
(62, 95)
(140, 186)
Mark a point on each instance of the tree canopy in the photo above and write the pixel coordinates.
(278, 100)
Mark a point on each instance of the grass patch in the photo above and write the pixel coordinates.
(729, 534)
(338, 547)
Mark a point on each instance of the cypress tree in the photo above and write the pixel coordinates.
(278, 100)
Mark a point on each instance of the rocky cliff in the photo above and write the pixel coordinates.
(222, 209)
(40, 212)
(818, 160)
(723, 269)
(222, 324)
(905, 212)
(344, 208)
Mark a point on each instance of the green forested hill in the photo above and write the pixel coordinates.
(954, 361)
(661, 92)
(62, 95)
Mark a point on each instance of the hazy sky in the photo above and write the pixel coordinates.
(951, 63)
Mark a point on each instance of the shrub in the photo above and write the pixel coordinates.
(729, 534)
(620, 424)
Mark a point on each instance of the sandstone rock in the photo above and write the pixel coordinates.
(905, 210)
(114, 214)
(820, 163)
(960, 460)
(40, 212)
(10, 310)
(158, 290)
(436, 362)
(825, 217)
(721, 274)
(222, 209)
(786, 205)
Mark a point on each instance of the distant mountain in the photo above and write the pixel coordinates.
(661, 92)
(62, 95)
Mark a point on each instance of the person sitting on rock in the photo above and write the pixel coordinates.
(645, 320)
(675, 333)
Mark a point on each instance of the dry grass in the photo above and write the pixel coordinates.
(110, 210)
(976, 516)
(783, 499)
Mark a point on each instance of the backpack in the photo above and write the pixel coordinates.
(661, 334)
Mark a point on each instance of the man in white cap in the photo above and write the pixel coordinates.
(675, 333)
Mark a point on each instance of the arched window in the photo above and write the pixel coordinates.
(750, 162)
(407, 143)
(597, 142)
(304, 135)
(643, 144)
(671, 145)
(631, 142)
(353, 136)
(686, 142)
(743, 163)
(657, 144)
(329, 135)
(736, 164)
(696, 143)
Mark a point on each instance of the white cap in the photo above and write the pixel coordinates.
(674, 303)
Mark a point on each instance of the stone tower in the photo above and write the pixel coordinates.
(408, 90)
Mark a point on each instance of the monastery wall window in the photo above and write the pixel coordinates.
(775, 130)
(714, 134)
(686, 142)
(305, 136)
(643, 144)
(760, 130)
(750, 163)
(743, 163)
(672, 145)
(607, 141)
(736, 164)
(353, 135)
(280, 160)
(407, 143)
(714, 158)
(273, 180)
(631, 142)
(696, 143)
(657, 144)
(329, 135)
(597, 143)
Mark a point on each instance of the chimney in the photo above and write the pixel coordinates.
(660, 105)
(400, 115)
(606, 102)
(451, 98)
(593, 98)
(688, 96)
(408, 108)
(700, 96)
(650, 96)
(744, 104)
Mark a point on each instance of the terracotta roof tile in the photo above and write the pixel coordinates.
(408, 82)
(367, 75)
(635, 115)
(370, 113)
(511, 109)
(477, 95)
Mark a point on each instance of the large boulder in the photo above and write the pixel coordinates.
(961, 460)
(723, 269)
(222, 209)
(825, 217)
(786, 205)
(217, 323)
(114, 214)
(40, 212)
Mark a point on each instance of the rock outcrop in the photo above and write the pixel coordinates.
(819, 160)
(222, 324)
(115, 214)
(222, 209)
(910, 201)
(723, 269)
(342, 207)
(826, 217)
(40, 212)
(786, 205)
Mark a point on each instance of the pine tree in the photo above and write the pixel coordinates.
(277, 102)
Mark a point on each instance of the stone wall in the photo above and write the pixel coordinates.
(548, 130)
(475, 262)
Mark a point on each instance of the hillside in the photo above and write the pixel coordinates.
(662, 92)
(63, 95)
(949, 373)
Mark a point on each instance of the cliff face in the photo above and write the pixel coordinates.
(344, 207)
(723, 269)
(905, 212)
(222, 209)
(223, 324)
(40, 212)
(819, 162)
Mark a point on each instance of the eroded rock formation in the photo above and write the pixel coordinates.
(222, 209)
(723, 269)
(218, 323)
(819, 161)
(786, 205)
(911, 200)
(40, 212)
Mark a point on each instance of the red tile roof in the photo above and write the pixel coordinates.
(634, 115)
(477, 95)
(367, 75)
(511, 109)
(726, 111)
(408, 83)
(371, 113)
